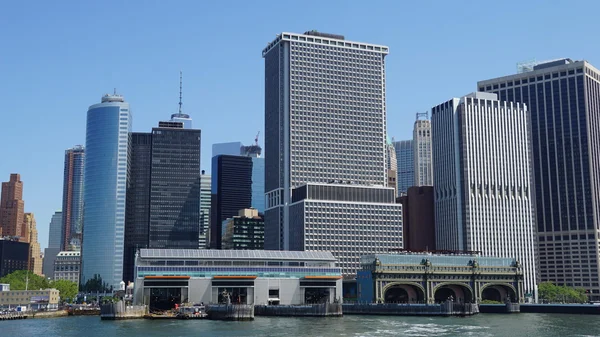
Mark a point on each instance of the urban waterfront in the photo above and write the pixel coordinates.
(531, 325)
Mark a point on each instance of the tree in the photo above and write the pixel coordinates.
(68, 289)
(21, 279)
(552, 293)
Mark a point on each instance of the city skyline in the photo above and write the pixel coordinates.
(54, 91)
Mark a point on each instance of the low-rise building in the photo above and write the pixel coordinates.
(165, 277)
(67, 265)
(245, 231)
(407, 277)
(46, 299)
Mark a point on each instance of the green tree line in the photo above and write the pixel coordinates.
(21, 279)
(549, 292)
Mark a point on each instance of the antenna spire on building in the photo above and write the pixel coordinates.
(256, 138)
(180, 89)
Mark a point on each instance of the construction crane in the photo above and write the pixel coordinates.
(256, 138)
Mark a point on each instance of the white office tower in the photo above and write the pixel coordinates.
(422, 151)
(482, 175)
(325, 125)
(392, 166)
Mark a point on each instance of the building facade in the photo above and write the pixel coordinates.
(346, 220)
(32, 299)
(175, 188)
(205, 197)
(418, 219)
(14, 256)
(433, 278)
(163, 191)
(67, 265)
(231, 191)
(35, 253)
(105, 181)
(165, 277)
(231, 148)
(406, 167)
(246, 231)
(72, 226)
(562, 99)
(482, 174)
(422, 151)
(12, 207)
(392, 166)
(322, 92)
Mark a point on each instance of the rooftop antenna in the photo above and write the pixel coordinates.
(180, 89)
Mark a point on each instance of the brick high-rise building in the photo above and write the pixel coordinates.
(12, 206)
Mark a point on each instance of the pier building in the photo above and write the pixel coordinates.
(408, 277)
(165, 277)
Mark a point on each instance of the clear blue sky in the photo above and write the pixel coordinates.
(58, 57)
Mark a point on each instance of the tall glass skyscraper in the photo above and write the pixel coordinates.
(105, 179)
(323, 92)
(406, 168)
(205, 204)
(563, 98)
(72, 226)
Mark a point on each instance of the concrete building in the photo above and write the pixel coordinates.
(35, 253)
(54, 241)
(163, 191)
(165, 277)
(322, 93)
(205, 204)
(422, 151)
(418, 217)
(345, 220)
(12, 207)
(14, 255)
(72, 203)
(46, 299)
(67, 265)
(105, 180)
(562, 99)
(244, 231)
(482, 174)
(392, 166)
(406, 167)
(433, 278)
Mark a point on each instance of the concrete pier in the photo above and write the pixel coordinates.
(114, 311)
(448, 308)
(230, 312)
(308, 310)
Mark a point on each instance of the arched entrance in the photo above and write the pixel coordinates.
(498, 293)
(455, 292)
(403, 293)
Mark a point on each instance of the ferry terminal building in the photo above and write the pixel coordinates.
(165, 277)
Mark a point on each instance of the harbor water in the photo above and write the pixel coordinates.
(529, 325)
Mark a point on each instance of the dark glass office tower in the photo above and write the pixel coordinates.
(175, 188)
(563, 99)
(163, 191)
(137, 211)
(231, 191)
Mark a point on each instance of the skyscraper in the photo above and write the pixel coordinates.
(422, 151)
(72, 227)
(392, 166)
(174, 188)
(35, 254)
(105, 181)
(163, 191)
(562, 98)
(406, 168)
(483, 199)
(231, 191)
(12, 207)
(54, 240)
(322, 93)
(205, 199)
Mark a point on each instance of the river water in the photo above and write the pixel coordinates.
(515, 325)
